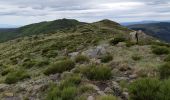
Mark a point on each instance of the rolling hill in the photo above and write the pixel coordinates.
(159, 30)
(38, 28)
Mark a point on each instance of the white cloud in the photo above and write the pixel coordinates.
(30, 11)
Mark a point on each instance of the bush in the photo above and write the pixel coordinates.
(106, 58)
(68, 93)
(73, 80)
(165, 71)
(42, 63)
(16, 76)
(94, 72)
(160, 50)
(129, 44)
(53, 93)
(136, 57)
(144, 89)
(6, 71)
(116, 40)
(29, 64)
(164, 90)
(81, 59)
(167, 58)
(60, 67)
(108, 97)
(86, 89)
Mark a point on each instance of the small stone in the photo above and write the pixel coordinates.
(90, 98)
(134, 76)
(3, 87)
(125, 95)
(108, 90)
(101, 93)
(8, 94)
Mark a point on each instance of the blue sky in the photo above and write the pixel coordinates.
(21, 12)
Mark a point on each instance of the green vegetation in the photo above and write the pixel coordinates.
(86, 89)
(81, 59)
(72, 80)
(144, 89)
(66, 90)
(60, 67)
(69, 93)
(150, 89)
(165, 71)
(167, 58)
(106, 58)
(29, 64)
(108, 97)
(99, 73)
(160, 50)
(164, 90)
(116, 40)
(6, 71)
(136, 57)
(16, 76)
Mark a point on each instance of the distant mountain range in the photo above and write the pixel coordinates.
(8, 26)
(159, 30)
(141, 22)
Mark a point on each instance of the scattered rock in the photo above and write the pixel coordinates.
(125, 95)
(90, 98)
(108, 90)
(121, 44)
(3, 87)
(54, 77)
(116, 88)
(96, 51)
(73, 54)
(8, 94)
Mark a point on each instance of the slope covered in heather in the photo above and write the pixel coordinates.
(91, 60)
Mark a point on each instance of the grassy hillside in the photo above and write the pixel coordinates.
(38, 28)
(91, 60)
(160, 30)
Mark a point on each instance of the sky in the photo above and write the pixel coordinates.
(22, 12)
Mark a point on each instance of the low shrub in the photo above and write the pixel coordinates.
(99, 73)
(86, 89)
(129, 44)
(29, 64)
(81, 59)
(16, 76)
(106, 58)
(42, 63)
(69, 93)
(160, 50)
(107, 97)
(116, 40)
(136, 57)
(165, 71)
(72, 80)
(144, 89)
(6, 71)
(167, 58)
(53, 93)
(164, 93)
(60, 67)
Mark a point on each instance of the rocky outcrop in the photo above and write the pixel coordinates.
(138, 36)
